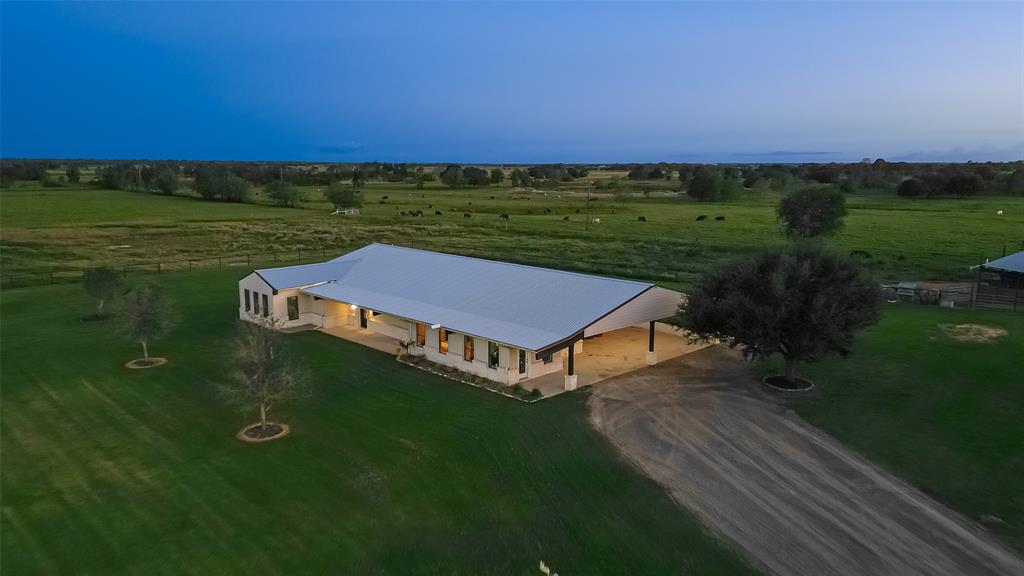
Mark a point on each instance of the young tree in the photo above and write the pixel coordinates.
(74, 173)
(812, 212)
(145, 316)
(497, 175)
(234, 189)
(706, 184)
(284, 193)
(343, 196)
(264, 374)
(102, 284)
(798, 301)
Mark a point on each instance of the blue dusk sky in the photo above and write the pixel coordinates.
(514, 82)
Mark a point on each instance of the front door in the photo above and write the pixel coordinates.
(362, 317)
(522, 362)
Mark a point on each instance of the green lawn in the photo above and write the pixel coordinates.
(387, 470)
(946, 415)
(905, 239)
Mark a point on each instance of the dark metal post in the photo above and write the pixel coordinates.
(572, 347)
(650, 339)
(247, 256)
(124, 271)
(220, 262)
(51, 276)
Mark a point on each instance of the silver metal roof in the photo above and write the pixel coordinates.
(523, 306)
(1011, 263)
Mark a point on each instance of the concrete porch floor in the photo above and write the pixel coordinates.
(612, 354)
(366, 338)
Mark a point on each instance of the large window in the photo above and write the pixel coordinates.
(266, 306)
(492, 355)
(293, 307)
(442, 341)
(247, 306)
(256, 303)
(548, 358)
(421, 334)
(522, 361)
(467, 348)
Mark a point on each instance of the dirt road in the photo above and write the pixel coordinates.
(787, 495)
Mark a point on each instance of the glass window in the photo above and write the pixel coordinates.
(293, 307)
(421, 334)
(266, 306)
(492, 355)
(255, 302)
(442, 341)
(547, 358)
(522, 361)
(247, 307)
(467, 348)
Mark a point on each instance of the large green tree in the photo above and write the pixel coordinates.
(284, 193)
(811, 212)
(342, 196)
(799, 301)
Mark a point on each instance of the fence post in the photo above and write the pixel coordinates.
(124, 271)
(190, 265)
(51, 277)
(275, 256)
(159, 268)
(300, 254)
(220, 261)
(247, 256)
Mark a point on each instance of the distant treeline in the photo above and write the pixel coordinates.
(231, 181)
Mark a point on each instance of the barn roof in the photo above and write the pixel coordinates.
(1011, 263)
(524, 306)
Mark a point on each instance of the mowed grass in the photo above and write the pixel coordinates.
(903, 239)
(946, 415)
(388, 469)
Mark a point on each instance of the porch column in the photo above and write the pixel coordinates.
(570, 375)
(652, 357)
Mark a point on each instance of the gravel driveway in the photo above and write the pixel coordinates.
(792, 499)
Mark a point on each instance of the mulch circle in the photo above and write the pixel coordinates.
(142, 363)
(273, 431)
(781, 384)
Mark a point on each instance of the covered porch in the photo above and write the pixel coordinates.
(613, 353)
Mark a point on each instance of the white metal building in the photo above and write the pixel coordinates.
(505, 322)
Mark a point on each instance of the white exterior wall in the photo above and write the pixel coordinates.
(257, 288)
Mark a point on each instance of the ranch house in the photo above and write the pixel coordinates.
(514, 324)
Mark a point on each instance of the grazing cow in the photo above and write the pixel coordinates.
(438, 213)
(577, 210)
(430, 205)
(403, 212)
(642, 219)
(566, 219)
(702, 217)
(419, 212)
(999, 212)
(383, 197)
(503, 216)
(547, 210)
(467, 215)
(595, 221)
(719, 218)
(492, 197)
(470, 203)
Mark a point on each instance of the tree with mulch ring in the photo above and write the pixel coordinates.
(264, 375)
(102, 283)
(800, 301)
(144, 316)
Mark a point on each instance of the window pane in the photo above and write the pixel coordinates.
(266, 306)
(442, 341)
(467, 348)
(256, 302)
(293, 307)
(421, 334)
(247, 307)
(492, 355)
(522, 361)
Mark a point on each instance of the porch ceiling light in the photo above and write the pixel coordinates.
(352, 306)
(435, 326)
